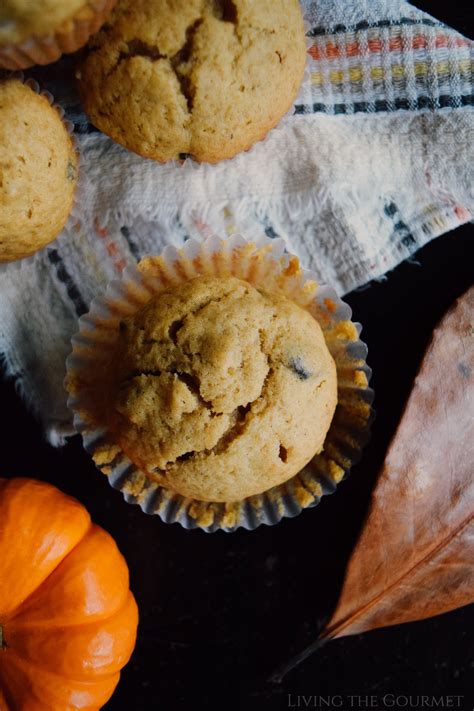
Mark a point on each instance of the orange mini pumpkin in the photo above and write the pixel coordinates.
(68, 620)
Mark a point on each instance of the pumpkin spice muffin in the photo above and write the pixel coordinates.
(219, 386)
(40, 31)
(38, 168)
(218, 390)
(206, 78)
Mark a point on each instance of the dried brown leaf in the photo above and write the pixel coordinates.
(415, 555)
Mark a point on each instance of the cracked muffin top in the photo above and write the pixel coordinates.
(219, 391)
(38, 167)
(206, 78)
(20, 19)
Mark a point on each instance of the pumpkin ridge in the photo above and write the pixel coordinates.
(18, 608)
(5, 703)
(48, 624)
(54, 682)
(7, 692)
(16, 658)
(18, 487)
(42, 589)
(128, 610)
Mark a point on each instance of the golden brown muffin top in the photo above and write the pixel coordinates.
(202, 77)
(20, 19)
(219, 390)
(38, 166)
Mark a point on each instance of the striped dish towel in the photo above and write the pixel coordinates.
(373, 162)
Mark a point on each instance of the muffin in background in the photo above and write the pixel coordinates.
(40, 31)
(38, 171)
(205, 78)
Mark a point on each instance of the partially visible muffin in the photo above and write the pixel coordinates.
(38, 171)
(206, 78)
(39, 31)
(218, 390)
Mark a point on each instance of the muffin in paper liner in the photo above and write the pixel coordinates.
(79, 178)
(261, 262)
(68, 37)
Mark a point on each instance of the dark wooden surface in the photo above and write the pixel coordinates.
(219, 612)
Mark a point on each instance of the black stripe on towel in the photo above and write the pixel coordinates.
(125, 232)
(64, 277)
(365, 25)
(401, 231)
(422, 102)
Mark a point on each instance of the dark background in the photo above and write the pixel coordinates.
(219, 612)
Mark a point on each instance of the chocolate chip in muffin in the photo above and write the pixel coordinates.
(204, 397)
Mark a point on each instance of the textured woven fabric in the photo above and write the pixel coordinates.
(373, 162)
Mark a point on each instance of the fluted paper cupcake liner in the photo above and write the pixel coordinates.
(68, 37)
(261, 262)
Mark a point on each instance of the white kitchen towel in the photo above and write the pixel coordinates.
(374, 161)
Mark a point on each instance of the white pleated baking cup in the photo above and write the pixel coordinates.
(74, 214)
(68, 37)
(262, 262)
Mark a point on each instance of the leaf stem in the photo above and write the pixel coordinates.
(285, 668)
